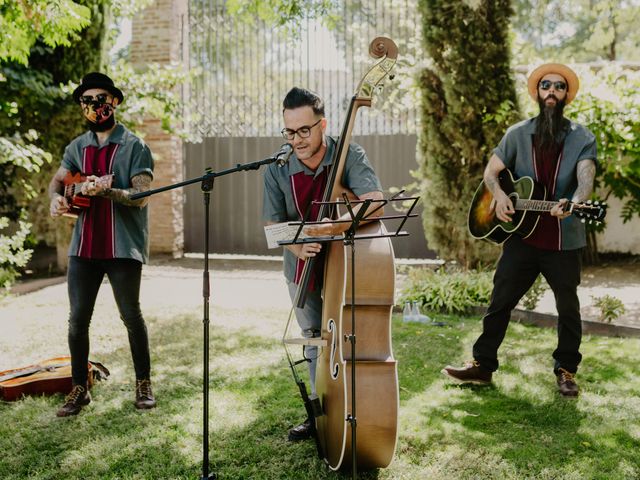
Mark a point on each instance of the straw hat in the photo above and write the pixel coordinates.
(558, 68)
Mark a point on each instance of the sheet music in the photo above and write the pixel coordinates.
(281, 231)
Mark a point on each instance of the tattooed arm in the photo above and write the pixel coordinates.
(501, 202)
(586, 173)
(491, 172)
(139, 183)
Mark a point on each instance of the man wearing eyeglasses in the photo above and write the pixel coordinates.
(110, 236)
(560, 155)
(290, 189)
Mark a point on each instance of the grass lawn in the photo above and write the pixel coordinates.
(519, 428)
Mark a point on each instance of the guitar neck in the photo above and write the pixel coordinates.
(74, 189)
(535, 205)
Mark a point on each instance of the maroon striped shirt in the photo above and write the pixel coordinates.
(97, 236)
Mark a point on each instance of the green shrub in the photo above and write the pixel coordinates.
(447, 290)
(13, 252)
(610, 307)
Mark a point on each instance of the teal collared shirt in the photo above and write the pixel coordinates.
(130, 224)
(516, 152)
(279, 204)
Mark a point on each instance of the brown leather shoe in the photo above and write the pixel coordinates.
(302, 432)
(144, 395)
(77, 398)
(567, 385)
(470, 373)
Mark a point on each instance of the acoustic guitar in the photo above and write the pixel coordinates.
(73, 184)
(47, 377)
(528, 198)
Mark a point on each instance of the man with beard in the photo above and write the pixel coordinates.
(288, 192)
(111, 235)
(561, 155)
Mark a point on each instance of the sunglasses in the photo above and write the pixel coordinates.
(100, 98)
(559, 85)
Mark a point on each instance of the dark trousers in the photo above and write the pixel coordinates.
(84, 277)
(517, 269)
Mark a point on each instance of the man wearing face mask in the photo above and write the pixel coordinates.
(560, 155)
(111, 235)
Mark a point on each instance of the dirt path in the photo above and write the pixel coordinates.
(33, 326)
(619, 280)
(244, 295)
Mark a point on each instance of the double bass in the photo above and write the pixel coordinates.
(376, 392)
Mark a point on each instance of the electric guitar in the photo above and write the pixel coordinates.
(73, 184)
(528, 198)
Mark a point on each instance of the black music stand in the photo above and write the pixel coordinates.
(206, 186)
(349, 238)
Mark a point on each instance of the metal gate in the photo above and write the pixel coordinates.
(246, 69)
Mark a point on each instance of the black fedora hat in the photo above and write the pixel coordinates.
(97, 80)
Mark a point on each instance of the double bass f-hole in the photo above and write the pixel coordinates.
(335, 366)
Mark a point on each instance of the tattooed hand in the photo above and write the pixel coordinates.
(139, 183)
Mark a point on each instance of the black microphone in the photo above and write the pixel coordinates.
(282, 155)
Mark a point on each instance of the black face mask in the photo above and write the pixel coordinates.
(99, 115)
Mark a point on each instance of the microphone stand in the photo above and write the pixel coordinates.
(206, 185)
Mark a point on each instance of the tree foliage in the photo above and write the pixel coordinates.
(287, 13)
(610, 108)
(36, 121)
(578, 31)
(54, 22)
(467, 102)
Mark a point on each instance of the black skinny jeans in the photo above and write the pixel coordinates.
(517, 269)
(84, 277)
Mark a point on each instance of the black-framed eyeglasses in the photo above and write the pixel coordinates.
(100, 98)
(303, 132)
(559, 85)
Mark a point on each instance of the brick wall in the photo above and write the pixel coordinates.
(157, 37)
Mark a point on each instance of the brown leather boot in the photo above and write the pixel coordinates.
(470, 373)
(302, 432)
(144, 395)
(567, 385)
(77, 398)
